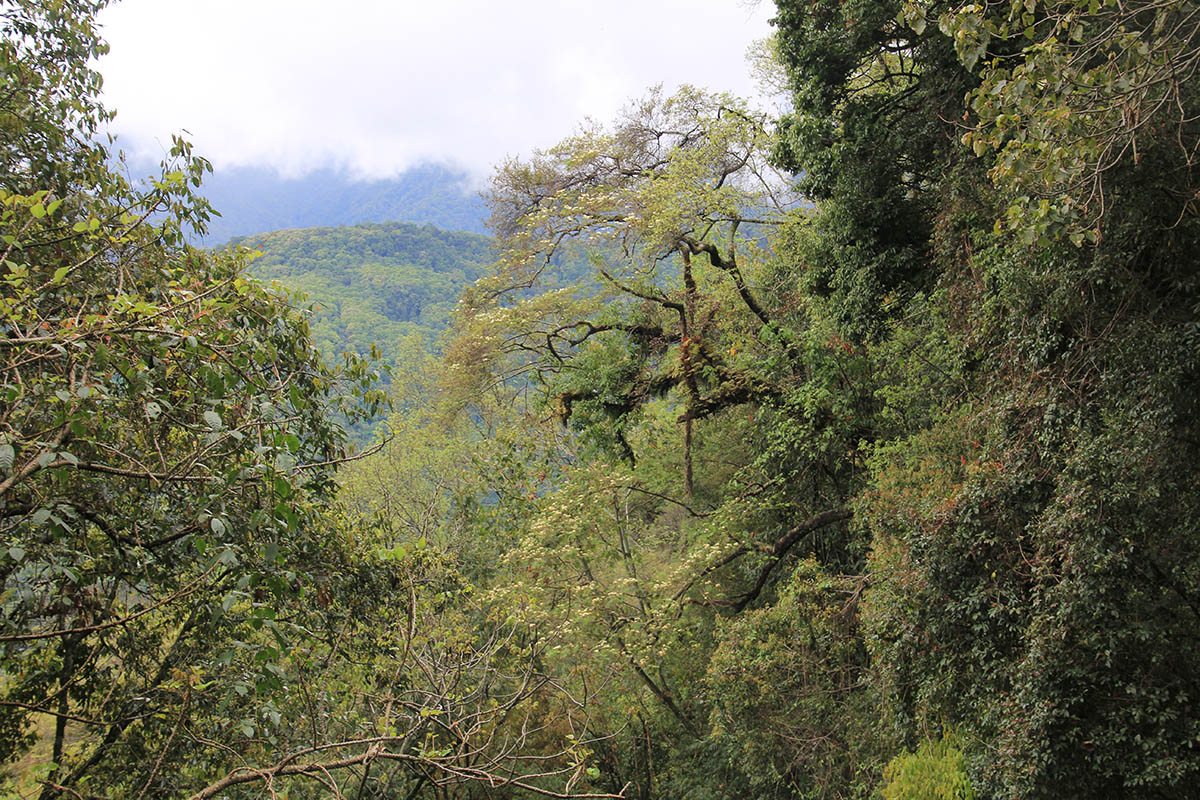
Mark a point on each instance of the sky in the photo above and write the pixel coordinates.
(374, 86)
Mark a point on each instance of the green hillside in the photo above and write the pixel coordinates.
(381, 283)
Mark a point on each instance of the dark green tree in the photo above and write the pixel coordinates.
(1004, 207)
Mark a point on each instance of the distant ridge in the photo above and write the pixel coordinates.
(385, 287)
(373, 282)
(255, 200)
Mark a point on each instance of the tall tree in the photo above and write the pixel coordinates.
(712, 423)
(1028, 582)
(672, 184)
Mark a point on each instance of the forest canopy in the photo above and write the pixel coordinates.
(842, 454)
(372, 284)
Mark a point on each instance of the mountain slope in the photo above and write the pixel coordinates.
(374, 283)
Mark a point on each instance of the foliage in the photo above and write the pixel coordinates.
(1075, 96)
(937, 771)
(870, 135)
(638, 536)
(1018, 583)
(181, 597)
(674, 180)
(379, 291)
(972, 428)
(790, 688)
(50, 111)
(372, 285)
(714, 494)
(164, 437)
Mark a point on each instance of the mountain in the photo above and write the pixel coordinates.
(253, 200)
(373, 283)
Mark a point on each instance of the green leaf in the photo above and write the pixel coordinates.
(7, 456)
(213, 419)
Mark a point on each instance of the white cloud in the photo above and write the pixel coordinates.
(376, 86)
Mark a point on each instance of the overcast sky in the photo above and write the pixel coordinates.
(378, 85)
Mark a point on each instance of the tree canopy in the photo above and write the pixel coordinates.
(944, 417)
(847, 454)
(185, 610)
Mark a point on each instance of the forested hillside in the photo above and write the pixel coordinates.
(391, 285)
(864, 462)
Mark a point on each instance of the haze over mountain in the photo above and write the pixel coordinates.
(258, 199)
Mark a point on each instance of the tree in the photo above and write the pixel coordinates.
(1028, 582)
(164, 428)
(871, 136)
(675, 180)
(637, 540)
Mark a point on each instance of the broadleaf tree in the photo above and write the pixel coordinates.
(186, 610)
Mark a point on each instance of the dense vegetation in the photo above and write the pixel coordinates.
(864, 463)
(389, 285)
